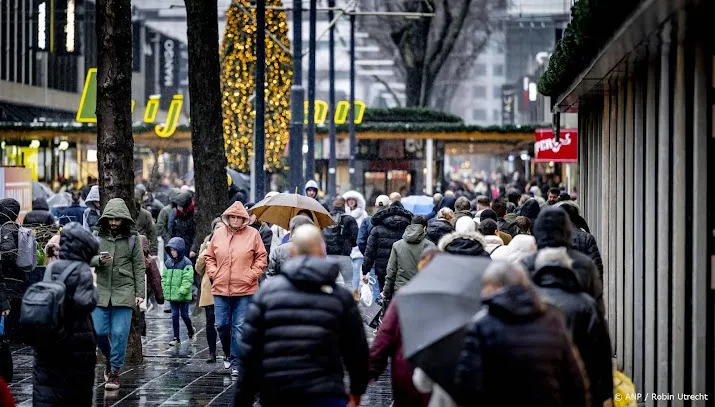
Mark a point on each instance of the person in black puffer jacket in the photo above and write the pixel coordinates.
(440, 225)
(465, 244)
(517, 350)
(559, 287)
(552, 228)
(181, 219)
(63, 373)
(300, 329)
(39, 215)
(388, 227)
(582, 241)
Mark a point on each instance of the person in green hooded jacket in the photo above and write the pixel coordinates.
(405, 256)
(162, 221)
(120, 282)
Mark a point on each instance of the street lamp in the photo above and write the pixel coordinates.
(296, 101)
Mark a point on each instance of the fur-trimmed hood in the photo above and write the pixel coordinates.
(466, 243)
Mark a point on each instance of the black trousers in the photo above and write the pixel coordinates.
(212, 334)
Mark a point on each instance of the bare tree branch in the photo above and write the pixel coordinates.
(389, 89)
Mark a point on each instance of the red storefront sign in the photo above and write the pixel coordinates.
(563, 151)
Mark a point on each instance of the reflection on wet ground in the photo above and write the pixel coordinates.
(170, 376)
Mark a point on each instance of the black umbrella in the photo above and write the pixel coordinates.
(434, 309)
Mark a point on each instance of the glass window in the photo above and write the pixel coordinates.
(480, 92)
(480, 69)
(479, 115)
(498, 70)
(496, 92)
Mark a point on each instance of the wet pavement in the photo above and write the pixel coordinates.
(170, 376)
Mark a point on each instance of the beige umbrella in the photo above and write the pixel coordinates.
(281, 208)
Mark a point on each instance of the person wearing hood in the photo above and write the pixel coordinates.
(490, 214)
(388, 227)
(440, 226)
(39, 215)
(311, 189)
(235, 260)
(120, 272)
(553, 229)
(517, 349)
(581, 240)
(574, 212)
(74, 212)
(300, 360)
(465, 244)
(560, 288)
(91, 215)
(355, 207)
(153, 205)
(162, 221)
(63, 373)
(530, 209)
(520, 247)
(144, 224)
(181, 220)
(405, 256)
(176, 281)
(489, 231)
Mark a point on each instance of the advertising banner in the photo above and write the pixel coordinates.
(16, 183)
(563, 151)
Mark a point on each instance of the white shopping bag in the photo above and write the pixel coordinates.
(366, 292)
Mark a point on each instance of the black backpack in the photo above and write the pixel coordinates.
(334, 234)
(42, 311)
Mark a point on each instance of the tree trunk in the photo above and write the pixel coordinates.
(115, 145)
(206, 116)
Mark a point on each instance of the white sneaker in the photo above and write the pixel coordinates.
(234, 372)
(226, 363)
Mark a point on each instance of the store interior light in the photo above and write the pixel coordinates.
(305, 149)
(2, 145)
(63, 146)
(92, 156)
(532, 91)
(525, 157)
(35, 144)
(512, 158)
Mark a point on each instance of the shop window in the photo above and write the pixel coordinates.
(479, 92)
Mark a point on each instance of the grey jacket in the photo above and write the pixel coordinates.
(404, 258)
(278, 257)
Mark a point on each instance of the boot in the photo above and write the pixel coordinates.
(212, 358)
(356, 295)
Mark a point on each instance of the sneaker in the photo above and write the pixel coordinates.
(113, 382)
(175, 342)
(212, 358)
(191, 335)
(107, 372)
(226, 363)
(234, 372)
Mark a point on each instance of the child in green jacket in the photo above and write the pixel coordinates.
(176, 282)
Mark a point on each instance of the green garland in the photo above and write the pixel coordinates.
(408, 115)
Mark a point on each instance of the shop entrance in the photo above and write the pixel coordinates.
(384, 182)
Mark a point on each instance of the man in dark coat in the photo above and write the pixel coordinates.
(341, 238)
(298, 360)
(510, 228)
(39, 215)
(462, 208)
(63, 372)
(388, 227)
(559, 287)
(582, 240)
(181, 219)
(530, 209)
(74, 212)
(517, 350)
(553, 229)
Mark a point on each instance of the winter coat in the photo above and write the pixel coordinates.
(447, 202)
(300, 330)
(162, 221)
(553, 229)
(531, 210)
(509, 228)
(178, 276)
(181, 223)
(206, 297)
(360, 215)
(341, 238)
(461, 214)
(63, 373)
(153, 276)
(12, 278)
(520, 247)
(91, 214)
(266, 236)
(276, 260)
(465, 244)
(388, 227)
(39, 215)
(278, 234)
(560, 288)
(73, 213)
(405, 256)
(585, 243)
(364, 234)
(145, 226)
(52, 249)
(388, 344)
(235, 259)
(518, 352)
(121, 280)
(438, 228)
(492, 242)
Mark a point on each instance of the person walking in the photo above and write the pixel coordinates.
(39, 215)
(235, 260)
(301, 329)
(490, 214)
(582, 241)
(153, 276)
(503, 225)
(355, 207)
(382, 202)
(63, 372)
(559, 287)
(206, 301)
(405, 256)
(464, 244)
(340, 240)
(144, 224)
(162, 221)
(462, 209)
(521, 246)
(388, 227)
(282, 253)
(489, 230)
(91, 215)
(517, 349)
(120, 275)
(176, 281)
(181, 220)
(74, 212)
(440, 226)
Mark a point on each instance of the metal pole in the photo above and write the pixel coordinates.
(296, 102)
(331, 109)
(353, 140)
(259, 145)
(310, 159)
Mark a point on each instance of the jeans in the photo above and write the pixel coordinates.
(212, 335)
(357, 273)
(230, 313)
(180, 308)
(376, 289)
(346, 268)
(115, 321)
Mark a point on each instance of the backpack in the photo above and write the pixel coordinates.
(42, 310)
(26, 247)
(333, 234)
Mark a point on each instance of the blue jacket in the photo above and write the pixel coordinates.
(364, 233)
(73, 213)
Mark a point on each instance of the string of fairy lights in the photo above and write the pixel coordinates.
(238, 64)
